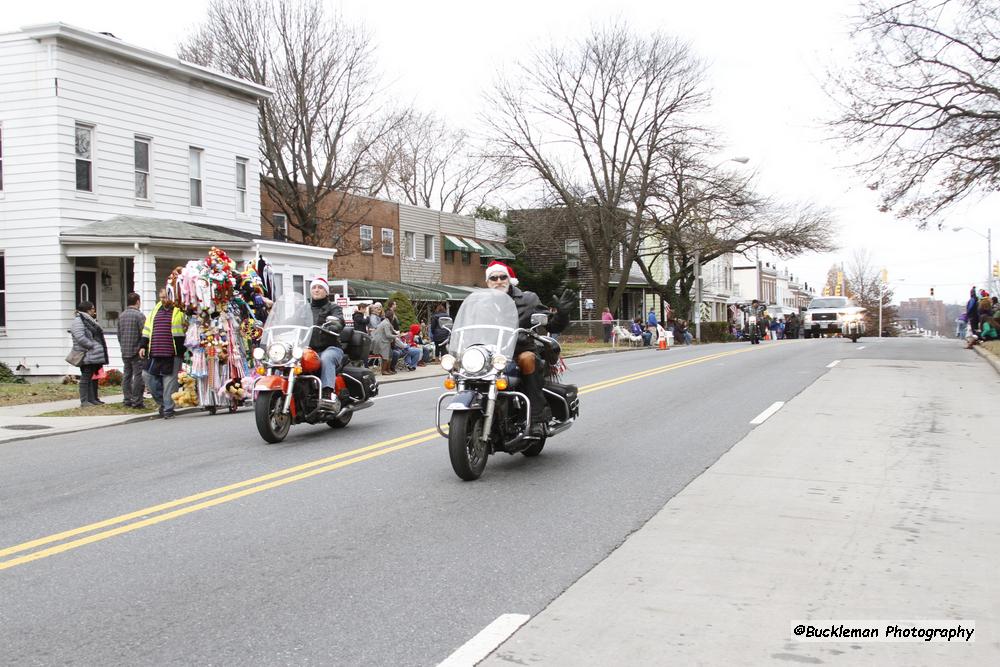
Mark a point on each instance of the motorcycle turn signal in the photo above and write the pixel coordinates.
(449, 383)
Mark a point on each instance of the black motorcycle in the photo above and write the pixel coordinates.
(488, 412)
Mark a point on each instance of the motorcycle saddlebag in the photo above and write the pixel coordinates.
(360, 382)
(357, 345)
(562, 397)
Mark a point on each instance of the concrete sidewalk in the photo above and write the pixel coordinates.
(872, 495)
(21, 422)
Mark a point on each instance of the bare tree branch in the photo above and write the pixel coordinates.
(319, 128)
(924, 102)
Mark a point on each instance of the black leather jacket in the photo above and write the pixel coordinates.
(321, 309)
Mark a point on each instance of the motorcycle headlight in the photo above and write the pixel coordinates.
(448, 362)
(297, 352)
(278, 353)
(474, 360)
(258, 353)
(499, 362)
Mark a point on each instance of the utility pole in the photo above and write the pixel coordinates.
(697, 296)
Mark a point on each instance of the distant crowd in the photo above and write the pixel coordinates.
(981, 320)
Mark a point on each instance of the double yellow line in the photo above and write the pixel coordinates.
(205, 499)
(149, 516)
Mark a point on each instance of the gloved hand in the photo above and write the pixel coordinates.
(566, 302)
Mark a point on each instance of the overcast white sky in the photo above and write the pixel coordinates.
(767, 62)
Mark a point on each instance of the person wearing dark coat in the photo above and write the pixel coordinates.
(439, 333)
(326, 345)
(500, 276)
(88, 337)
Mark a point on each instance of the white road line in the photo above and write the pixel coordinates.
(404, 393)
(862, 347)
(484, 643)
(762, 417)
(570, 362)
(833, 363)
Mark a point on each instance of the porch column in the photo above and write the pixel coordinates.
(144, 277)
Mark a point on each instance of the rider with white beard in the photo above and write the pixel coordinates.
(501, 277)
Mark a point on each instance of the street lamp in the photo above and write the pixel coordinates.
(989, 251)
(697, 262)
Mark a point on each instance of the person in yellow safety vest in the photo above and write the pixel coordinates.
(162, 344)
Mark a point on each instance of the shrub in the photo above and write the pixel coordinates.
(112, 378)
(7, 376)
(714, 332)
(404, 311)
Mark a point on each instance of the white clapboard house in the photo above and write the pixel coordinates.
(117, 164)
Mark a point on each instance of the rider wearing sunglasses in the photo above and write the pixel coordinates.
(499, 276)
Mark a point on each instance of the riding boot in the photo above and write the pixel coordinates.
(532, 386)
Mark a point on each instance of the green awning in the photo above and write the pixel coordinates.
(455, 243)
(505, 253)
(489, 250)
(382, 289)
(450, 292)
(475, 245)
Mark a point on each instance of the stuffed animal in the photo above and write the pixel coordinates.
(235, 391)
(187, 395)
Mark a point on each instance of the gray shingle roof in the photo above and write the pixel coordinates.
(131, 226)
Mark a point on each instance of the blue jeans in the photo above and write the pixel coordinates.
(162, 387)
(413, 355)
(330, 358)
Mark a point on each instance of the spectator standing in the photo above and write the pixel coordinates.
(651, 324)
(360, 318)
(162, 344)
(972, 311)
(608, 320)
(374, 316)
(88, 337)
(439, 334)
(390, 314)
(130, 325)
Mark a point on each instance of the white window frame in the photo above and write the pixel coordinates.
(196, 180)
(1, 159)
(241, 192)
(390, 236)
(138, 139)
(3, 291)
(369, 237)
(571, 249)
(77, 126)
(410, 242)
(282, 228)
(429, 244)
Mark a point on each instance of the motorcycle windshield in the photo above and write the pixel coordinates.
(290, 321)
(487, 317)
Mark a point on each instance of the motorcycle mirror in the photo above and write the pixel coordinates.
(446, 322)
(539, 319)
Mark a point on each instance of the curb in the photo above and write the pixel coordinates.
(988, 356)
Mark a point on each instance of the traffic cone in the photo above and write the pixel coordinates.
(663, 343)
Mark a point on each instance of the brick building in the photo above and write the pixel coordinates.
(928, 313)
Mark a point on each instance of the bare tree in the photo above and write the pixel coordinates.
(591, 123)
(318, 129)
(697, 213)
(425, 162)
(923, 102)
(868, 290)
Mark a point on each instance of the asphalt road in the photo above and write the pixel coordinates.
(192, 542)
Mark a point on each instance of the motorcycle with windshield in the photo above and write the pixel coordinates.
(488, 413)
(288, 390)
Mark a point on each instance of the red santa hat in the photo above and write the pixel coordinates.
(496, 268)
(321, 281)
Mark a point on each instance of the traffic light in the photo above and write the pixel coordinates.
(932, 291)
(996, 269)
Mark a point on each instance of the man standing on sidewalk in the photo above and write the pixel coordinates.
(130, 326)
(162, 344)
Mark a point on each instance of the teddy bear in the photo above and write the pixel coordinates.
(187, 395)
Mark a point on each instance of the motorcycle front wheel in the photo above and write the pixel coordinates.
(467, 450)
(272, 424)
